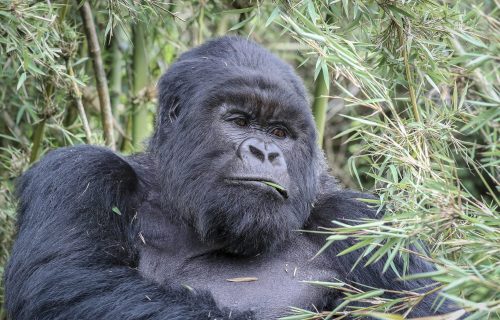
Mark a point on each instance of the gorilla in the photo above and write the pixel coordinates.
(205, 223)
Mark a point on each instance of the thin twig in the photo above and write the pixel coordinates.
(120, 130)
(337, 104)
(77, 95)
(100, 75)
(15, 130)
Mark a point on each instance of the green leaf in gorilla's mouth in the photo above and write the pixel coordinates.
(277, 187)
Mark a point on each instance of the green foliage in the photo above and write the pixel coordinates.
(421, 147)
(410, 111)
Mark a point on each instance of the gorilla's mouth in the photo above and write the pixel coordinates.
(261, 183)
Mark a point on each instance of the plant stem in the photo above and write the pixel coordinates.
(78, 100)
(63, 11)
(14, 129)
(320, 105)
(100, 75)
(140, 72)
(409, 76)
(116, 67)
(37, 140)
(201, 25)
(39, 130)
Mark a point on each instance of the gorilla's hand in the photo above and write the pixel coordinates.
(346, 206)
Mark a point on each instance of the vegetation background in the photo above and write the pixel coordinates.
(405, 94)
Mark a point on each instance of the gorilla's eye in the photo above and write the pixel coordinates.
(242, 122)
(279, 132)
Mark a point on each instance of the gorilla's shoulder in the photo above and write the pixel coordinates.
(82, 162)
(77, 177)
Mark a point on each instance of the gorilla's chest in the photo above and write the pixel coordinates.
(268, 284)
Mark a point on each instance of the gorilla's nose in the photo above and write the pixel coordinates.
(253, 149)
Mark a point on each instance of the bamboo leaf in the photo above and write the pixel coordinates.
(117, 211)
(243, 23)
(21, 80)
(275, 14)
(365, 295)
(243, 279)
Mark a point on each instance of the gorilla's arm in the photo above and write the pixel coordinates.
(74, 257)
(344, 206)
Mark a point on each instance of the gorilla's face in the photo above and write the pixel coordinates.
(230, 137)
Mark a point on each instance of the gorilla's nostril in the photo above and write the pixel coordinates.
(272, 156)
(257, 153)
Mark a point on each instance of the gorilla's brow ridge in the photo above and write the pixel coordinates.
(273, 115)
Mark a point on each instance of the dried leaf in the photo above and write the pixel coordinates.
(242, 279)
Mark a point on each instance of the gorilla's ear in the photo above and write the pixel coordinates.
(169, 101)
(173, 111)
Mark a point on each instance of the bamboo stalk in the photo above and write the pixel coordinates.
(320, 105)
(140, 81)
(409, 76)
(100, 75)
(116, 68)
(37, 140)
(126, 143)
(201, 18)
(77, 95)
(39, 131)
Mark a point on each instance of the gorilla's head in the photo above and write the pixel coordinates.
(232, 117)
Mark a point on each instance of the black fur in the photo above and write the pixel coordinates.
(232, 71)
(85, 211)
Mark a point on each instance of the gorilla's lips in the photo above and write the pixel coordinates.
(262, 182)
